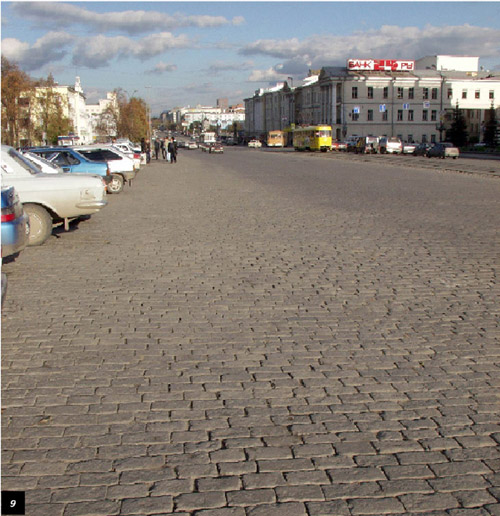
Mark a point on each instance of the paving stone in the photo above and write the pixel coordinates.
(313, 329)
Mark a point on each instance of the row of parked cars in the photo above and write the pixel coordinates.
(394, 145)
(44, 187)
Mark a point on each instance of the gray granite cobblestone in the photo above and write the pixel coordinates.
(261, 334)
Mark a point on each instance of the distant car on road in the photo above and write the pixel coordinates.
(254, 144)
(443, 150)
(409, 148)
(15, 228)
(339, 146)
(367, 145)
(390, 145)
(421, 149)
(216, 148)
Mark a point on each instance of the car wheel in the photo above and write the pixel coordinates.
(40, 223)
(116, 185)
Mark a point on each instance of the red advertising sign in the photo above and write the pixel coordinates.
(383, 65)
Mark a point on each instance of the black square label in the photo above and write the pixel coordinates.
(13, 502)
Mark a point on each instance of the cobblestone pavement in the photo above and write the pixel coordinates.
(257, 334)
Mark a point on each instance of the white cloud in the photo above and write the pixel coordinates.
(223, 66)
(162, 68)
(387, 41)
(61, 14)
(100, 50)
(269, 75)
(53, 46)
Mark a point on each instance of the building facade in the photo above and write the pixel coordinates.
(413, 100)
(84, 118)
(220, 116)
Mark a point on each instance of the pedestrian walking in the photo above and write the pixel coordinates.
(157, 148)
(163, 149)
(172, 149)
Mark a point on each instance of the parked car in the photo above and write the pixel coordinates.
(132, 151)
(15, 228)
(367, 145)
(390, 145)
(122, 167)
(421, 149)
(71, 161)
(216, 148)
(339, 146)
(350, 143)
(443, 150)
(409, 147)
(45, 166)
(50, 199)
(254, 144)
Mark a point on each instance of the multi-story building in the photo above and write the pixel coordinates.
(102, 121)
(270, 109)
(222, 117)
(84, 118)
(414, 100)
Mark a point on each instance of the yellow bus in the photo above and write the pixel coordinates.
(313, 138)
(275, 139)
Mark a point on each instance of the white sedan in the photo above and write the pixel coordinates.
(256, 144)
(50, 199)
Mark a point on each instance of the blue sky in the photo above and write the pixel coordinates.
(188, 53)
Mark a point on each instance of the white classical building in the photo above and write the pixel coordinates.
(98, 115)
(84, 117)
(215, 116)
(374, 97)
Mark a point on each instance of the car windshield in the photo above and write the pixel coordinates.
(24, 162)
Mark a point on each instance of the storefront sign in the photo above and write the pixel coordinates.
(383, 65)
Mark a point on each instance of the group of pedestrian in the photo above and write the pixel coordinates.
(168, 149)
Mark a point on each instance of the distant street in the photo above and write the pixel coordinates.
(262, 333)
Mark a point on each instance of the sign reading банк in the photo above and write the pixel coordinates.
(383, 65)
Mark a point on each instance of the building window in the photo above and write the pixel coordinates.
(370, 92)
(477, 94)
(433, 138)
(424, 138)
(370, 115)
(434, 93)
(425, 115)
(400, 93)
(410, 138)
(400, 115)
(464, 94)
(355, 116)
(411, 93)
(450, 93)
(492, 95)
(386, 92)
(434, 115)
(354, 92)
(410, 115)
(385, 116)
(425, 93)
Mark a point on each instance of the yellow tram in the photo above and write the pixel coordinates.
(313, 138)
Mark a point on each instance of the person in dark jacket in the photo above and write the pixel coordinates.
(172, 149)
